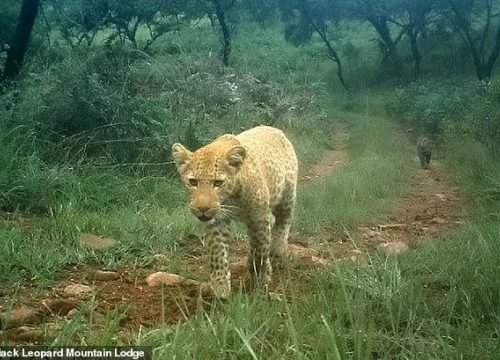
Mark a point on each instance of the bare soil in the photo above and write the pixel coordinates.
(433, 206)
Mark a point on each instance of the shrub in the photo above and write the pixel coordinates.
(464, 108)
(426, 106)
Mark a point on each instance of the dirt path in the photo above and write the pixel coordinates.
(433, 206)
(332, 160)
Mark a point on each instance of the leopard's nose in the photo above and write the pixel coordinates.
(203, 209)
(204, 213)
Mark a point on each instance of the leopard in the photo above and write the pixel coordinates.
(424, 149)
(252, 178)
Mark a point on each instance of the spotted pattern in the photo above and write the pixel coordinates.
(424, 149)
(251, 177)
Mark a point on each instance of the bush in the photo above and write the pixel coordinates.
(27, 185)
(464, 109)
(483, 119)
(426, 106)
(84, 110)
(112, 111)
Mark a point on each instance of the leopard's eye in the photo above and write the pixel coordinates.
(193, 182)
(218, 183)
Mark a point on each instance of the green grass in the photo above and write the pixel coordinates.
(440, 300)
(59, 178)
(423, 304)
(42, 250)
(377, 171)
(146, 216)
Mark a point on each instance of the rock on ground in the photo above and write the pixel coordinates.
(61, 306)
(21, 316)
(78, 290)
(167, 279)
(106, 275)
(301, 251)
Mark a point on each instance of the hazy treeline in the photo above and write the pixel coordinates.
(405, 29)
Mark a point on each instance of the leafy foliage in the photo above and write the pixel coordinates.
(8, 21)
(446, 109)
(80, 20)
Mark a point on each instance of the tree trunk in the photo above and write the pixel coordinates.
(19, 45)
(380, 25)
(226, 36)
(484, 67)
(494, 53)
(322, 32)
(333, 55)
(417, 58)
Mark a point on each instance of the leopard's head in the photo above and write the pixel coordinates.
(210, 175)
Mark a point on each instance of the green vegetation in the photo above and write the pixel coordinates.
(375, 177)
(85, 136)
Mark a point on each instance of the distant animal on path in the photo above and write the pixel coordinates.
(251, 176)
(424, 149)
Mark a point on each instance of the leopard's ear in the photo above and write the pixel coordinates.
(236, 156)
(181, 157)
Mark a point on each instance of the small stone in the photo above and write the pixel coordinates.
(20, 316)
(301, 251)
(106, 275)
(96, 242)
(159, 278)
(78, 290)
(441, 197)
(317, 261)
(71, 314)
(396, 247)
(370, 233)
(97, 318)
(26, 333)
(438, 220)
(61, 306)
(355, 254)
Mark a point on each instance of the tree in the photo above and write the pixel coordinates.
(19, 45)
(378, 14)
(220, 11)
(304, 17)
(80, 20)
(159, 17)
(413, 17)
(478, 25)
